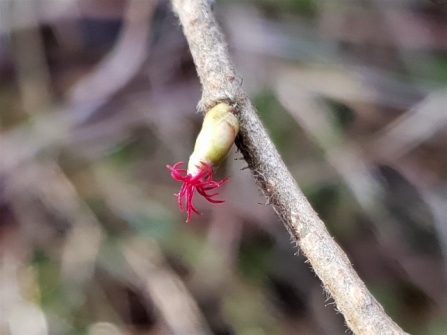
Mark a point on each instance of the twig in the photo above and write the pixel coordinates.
(418, 124)
(363, 314)
(169, 294)
(29, 55)
(19, 314)
(58, 195)
(121, 64)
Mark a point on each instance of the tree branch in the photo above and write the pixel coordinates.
(362, 312)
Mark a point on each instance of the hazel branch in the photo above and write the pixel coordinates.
(362, 312)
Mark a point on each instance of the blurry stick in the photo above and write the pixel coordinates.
(28, 49)
(417, 125)
(420, 123)
(59, 196)
(363, 314)
(435, 198)
(19, 306)
(123, 61)
(170, 296)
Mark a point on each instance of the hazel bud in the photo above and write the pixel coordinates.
(219, 129)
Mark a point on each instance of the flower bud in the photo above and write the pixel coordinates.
(219, 130)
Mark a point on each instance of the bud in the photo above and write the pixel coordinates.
(219, 130)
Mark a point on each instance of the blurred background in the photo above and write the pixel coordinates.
(97, 96)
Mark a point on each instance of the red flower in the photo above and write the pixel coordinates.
(202, 182)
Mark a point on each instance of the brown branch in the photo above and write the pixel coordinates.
(363, 314)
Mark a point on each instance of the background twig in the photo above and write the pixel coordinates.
(362, 312)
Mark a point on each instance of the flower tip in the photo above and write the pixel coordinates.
(201, 182)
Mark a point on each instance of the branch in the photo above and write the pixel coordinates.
(363, 314)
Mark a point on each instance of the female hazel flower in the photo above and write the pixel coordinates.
(219, 129)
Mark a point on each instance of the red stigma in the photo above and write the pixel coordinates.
(202, 182)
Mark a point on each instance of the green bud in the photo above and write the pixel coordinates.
(219, 130)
